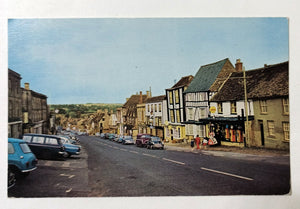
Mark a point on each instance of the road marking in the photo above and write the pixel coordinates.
(116, 147)
(124, 150)
(181, 163)
(66, 164)
(69, 190)
(134, 152)
(228, 174)
(150, 155)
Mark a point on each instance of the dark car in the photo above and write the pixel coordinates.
(45, 146)
(142, 139)
(155, 143)
(21, 161)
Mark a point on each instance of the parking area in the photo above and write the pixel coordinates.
(54, 178)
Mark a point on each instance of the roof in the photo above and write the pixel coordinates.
(156, 99)
(206, 76)
(184, 81)
(134, 100)
(270, 81)
(13, 140)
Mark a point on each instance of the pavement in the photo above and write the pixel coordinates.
(245, 153)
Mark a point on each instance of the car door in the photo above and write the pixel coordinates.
(37, 145)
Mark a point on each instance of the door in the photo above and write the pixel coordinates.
(262, 136)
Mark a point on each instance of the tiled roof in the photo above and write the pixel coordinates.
(269, 82)
(156, 99)
(184, 81)
(206, 76)
(134, 100)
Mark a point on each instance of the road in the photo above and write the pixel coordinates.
(109, 169)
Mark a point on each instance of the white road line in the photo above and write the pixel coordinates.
(228, 174)
(150, 155)
(116, 147)
(124, 150)
(134, 152)
(181, 163)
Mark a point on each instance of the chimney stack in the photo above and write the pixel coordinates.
(239, 65)
(26, 86)
(141, 97)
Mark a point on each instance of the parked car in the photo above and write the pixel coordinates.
(70, 148)
(127, 140)
(155, 143)
(45, 146)
(21, 161)
(102, 135)
(142, 139)
(111, 137)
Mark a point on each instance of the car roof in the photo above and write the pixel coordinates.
(53, 136)
(13, 140)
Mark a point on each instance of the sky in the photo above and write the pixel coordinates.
(106, 60)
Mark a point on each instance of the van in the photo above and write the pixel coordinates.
(45, 146)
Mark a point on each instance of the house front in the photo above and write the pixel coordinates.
(174, 129)
(267, 93)
(155, 115)
(197, 96)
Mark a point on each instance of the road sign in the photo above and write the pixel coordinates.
(212, 109)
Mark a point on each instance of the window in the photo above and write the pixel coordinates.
(202, 112)
(285, 103)
(286, 130)
(51, 141)
(220, 107)
(11, 149)
(263, 106)
(177, 116)
(172, 116)
(271, 128)
(27, 138)
(177, 96)
(233, 107)
(190, 111)
(38, 139)
(25, 148)
(159, 107)
(171, 97)
(189, 129)
(200, 130)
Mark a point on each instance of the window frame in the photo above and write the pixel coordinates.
(285, 106)
(171, 97)
(220, 107)
(233, 110)
(286, 131)
(263, 106)
(271, 128)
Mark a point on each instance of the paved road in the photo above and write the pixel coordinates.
(110, 169)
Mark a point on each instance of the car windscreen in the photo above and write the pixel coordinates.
(25, 148)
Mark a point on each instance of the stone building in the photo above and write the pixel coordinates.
(14, 105)
(268, 106)
(35, 111)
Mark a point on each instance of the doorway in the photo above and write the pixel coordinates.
(262, 135)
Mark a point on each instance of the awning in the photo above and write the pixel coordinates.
(219, 120)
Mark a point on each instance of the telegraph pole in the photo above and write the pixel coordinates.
(246, 107)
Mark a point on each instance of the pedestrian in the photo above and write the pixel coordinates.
(192, 143)
(197, 139)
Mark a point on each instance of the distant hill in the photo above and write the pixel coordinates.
(77, 110)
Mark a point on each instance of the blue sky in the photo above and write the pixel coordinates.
(107, 60)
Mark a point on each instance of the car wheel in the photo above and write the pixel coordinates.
(67, 155)
(11, 178)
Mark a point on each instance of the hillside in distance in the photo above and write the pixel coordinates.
(78, 110)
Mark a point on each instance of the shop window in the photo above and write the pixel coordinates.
(220, 107)
(263, 106)
(285, 103)
(233, 107)
(271, 128)
(177, 96)
(177, 116)
(286, 130)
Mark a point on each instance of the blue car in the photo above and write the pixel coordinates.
(70, 149)
(21, 161)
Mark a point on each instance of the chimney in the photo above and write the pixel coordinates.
(127, 99)
(239, 65)
(141, 97)
(26, 86)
